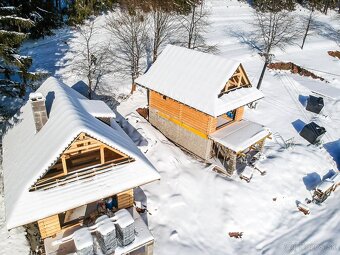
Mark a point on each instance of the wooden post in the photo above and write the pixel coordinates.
(63, 161)
(149, 249)
(102, 155)
(232, 162)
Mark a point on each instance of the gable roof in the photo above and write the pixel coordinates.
(194, 78)
(27, 155)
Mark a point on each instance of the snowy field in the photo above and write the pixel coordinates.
(192, 208)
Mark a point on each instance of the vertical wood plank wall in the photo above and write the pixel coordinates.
(49, 226)
(239, 113)
(125, 199)
(197, 120)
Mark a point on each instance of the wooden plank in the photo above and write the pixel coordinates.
(102, 154)
(239, 113)
(63, 161)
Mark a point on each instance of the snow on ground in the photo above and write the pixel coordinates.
(193, 209)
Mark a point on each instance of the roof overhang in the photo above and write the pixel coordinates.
(240, 135)
(237, 98)
(40, 204)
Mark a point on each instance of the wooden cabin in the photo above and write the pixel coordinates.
(198, 101)
(66, 162)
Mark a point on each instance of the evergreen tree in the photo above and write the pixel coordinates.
(14, 74)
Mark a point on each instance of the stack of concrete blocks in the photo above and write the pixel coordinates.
(106, 234)
(83, 242)
(125, 227)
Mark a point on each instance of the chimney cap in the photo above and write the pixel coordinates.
(36, 96)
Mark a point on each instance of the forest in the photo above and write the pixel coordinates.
(180, 22)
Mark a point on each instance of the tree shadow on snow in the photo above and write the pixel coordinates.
(49, 53)
(131, 131)
(326, 30)
(246, 38)
(333, 149)
(298, 125)
(311, 180)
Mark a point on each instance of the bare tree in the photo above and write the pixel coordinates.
(309, 24)
(129, 32)
(274, 30)
(194, 26)
(163, 27)
(91, 60)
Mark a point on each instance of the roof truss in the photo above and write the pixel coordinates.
(238, 79)
(85, 157)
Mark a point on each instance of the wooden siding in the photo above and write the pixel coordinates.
(189, 116)
(125, 199)
(239, 113)
(49, 226)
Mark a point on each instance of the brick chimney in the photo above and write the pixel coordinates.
(39, 109)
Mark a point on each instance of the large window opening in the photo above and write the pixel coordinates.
(84, 158)
(225, 119)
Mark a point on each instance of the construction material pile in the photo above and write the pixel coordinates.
(125, 227)
(106, 234)
(83, 242)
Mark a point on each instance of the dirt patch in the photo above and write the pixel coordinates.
(144, 112)
(289, 66)
(334, 54)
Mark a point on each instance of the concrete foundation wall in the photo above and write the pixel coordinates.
(190, 141)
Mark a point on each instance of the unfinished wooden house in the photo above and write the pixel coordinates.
(198, 100)
(66, 162)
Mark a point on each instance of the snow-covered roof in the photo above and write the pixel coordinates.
(27, 155)
(97, 108)
(196, 79)
(240, 135)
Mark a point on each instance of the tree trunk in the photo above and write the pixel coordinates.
(307, 29)
(262, 73)
(133, 87)
(325, 10)
(90, 87)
